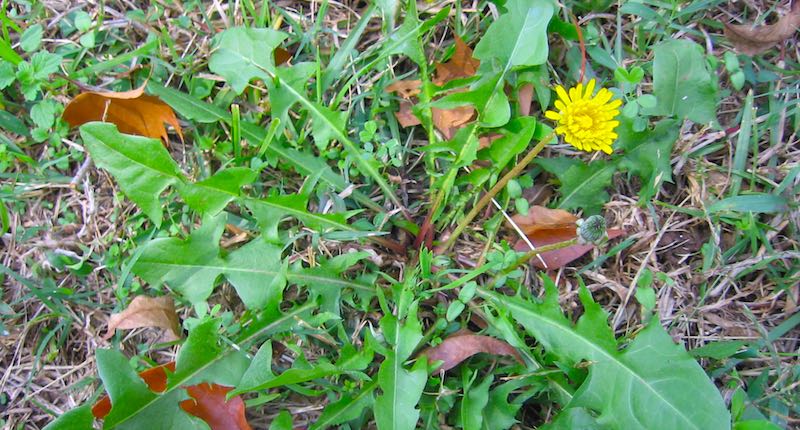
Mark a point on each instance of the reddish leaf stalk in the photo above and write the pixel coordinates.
(582, 45)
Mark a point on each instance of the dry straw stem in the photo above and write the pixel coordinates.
(487, 198)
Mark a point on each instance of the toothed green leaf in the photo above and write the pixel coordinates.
(651, 383)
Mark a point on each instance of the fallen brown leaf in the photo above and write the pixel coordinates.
(525, 97)
(154, 377)
(752, 40)
(207, 402)
(460, 65)
(144, 311)
(133, 112)
(447, 121)
(485, 141)
(459, 347)
(281, 56)
(405, 116)
(541, 218)
(544, 226)
(405, 89)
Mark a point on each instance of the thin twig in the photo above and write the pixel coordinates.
(513, 173)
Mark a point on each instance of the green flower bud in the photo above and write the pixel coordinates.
(592, 229)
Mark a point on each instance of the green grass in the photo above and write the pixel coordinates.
(314, 247)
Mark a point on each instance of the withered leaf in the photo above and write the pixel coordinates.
(752, 40)
(207, 402)
(281, 56)
(459, 347)
(460, 65)
(405, 116)
(405, 89)
(525, 97)
(544, 226)
(144, 311)
(486, 140)
(154, 377)
(447, 121)
(133, 112)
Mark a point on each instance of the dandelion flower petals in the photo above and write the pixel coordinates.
(589, 90)
(586, 120)
(562, 94)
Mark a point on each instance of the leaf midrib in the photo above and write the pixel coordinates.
(572, 333)
(169, 175)
(675, 83)
(301, 214)
(289, 276)
(349, 145)
(247, 130)
(584, 184)
(366, 390)
(188, 376)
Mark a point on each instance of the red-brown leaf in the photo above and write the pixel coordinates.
(405, 89)
(405, 116)
(486, 141)
(146, 311)
(447, 121)
(281, 56)
(460, 65)
(540, 218)
(154, 377)
(208, 403)
(525, 97)
(545, 226)
(459, 347)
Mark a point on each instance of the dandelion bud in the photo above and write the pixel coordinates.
(592, 229)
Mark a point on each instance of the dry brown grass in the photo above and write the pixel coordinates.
(40, 376)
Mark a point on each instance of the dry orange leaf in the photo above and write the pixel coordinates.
(281, 56)
(447, 121)
(154, 377)
(146, 311)
(461, 346)
(133, 112)
(208, 403)
(405, 116)
(460, 65)
(544, 226)
(525, 97)
(486, 140)
(752, 40)
(405, 89)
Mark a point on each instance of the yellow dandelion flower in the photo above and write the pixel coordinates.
(586, 121)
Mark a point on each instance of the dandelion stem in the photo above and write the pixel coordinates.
(527, 256)
(540, 250)
(487, 198)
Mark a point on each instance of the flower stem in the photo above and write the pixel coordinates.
(527, 256)
(540, 250)
(513, 173)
